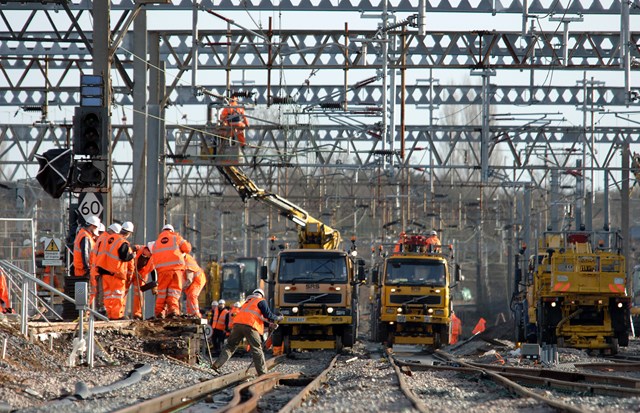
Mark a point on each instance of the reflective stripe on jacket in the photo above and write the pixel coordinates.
(251, 315)
(219, 321)
(108, 259)
(168, 251)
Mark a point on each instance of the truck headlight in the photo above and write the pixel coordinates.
(553, 304)
(430, 311)
(329, 310)
(619, 305)
(295, 310)
(399, 309)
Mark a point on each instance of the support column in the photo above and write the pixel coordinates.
(153, 136)
(139, 198)
(102, 67)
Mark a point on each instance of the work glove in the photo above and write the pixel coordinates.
(154, 291)
(279, 318)
(273, 326)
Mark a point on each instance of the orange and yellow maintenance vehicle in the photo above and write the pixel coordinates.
(412, 294)
(574, 292)
(314, 285)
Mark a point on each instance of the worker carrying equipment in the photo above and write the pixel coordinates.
(233, 116)
(249, 324)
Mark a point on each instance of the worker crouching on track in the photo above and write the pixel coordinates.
(168, 258)
(249, 324)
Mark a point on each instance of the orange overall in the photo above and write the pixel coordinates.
(5, 302)
(80, 268)
(170, 266)
(143, 267)
(114, 278)
(193, 286)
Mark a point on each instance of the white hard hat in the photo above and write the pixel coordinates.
(26, 242)
(93, 220)
(214, 303)
(115, 227)
(101, 227)
(169, 227)
(127, 226)
(150, 245)
(223, 302)
(258, 291)
(433, 233)
(237, 304)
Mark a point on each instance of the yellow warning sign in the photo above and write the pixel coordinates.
(52, 246)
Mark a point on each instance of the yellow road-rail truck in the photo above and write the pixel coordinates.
(412, 294)
(574, 292)
(315, 286)
(315, 290)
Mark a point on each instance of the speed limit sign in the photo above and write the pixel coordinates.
(89, 205)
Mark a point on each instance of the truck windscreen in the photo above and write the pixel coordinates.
(415, 272)
(313, 268)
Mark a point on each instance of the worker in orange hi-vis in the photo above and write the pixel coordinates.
(194, 282)
(142, 268)
(220, 325)
(433, 242)
(95, 277)
(112, 262)
(480, 327)
(82, 246)
(456, 328)
(234, 117)
(5, 301)
(231, 315)
(168, 258)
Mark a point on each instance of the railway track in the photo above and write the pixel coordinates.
(514, 379)
(240, 391)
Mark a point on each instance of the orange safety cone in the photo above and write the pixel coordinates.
(479, 328)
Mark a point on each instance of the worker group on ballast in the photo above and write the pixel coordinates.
(106, 257)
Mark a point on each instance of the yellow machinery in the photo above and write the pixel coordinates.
(412, 300)
(313, 286)
(574, 293)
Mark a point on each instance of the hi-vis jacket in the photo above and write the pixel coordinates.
(113, 255)
(82, 246)
(251, 315)
(168, 250)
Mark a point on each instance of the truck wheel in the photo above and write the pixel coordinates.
(287, 344)
(276, 338)
(623, 339)
(347, 337)
(339, 346)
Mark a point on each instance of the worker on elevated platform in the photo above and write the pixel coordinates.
(433, 242)
(233, 116)
(249, 324)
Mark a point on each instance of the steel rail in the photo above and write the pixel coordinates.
(315, 384)
(543, 374)
(256, 389)
(599, 389)
(405, 388)
(513, 386)
(617, 366)
(186, 396)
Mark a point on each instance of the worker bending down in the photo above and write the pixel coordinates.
(168, 258)
(249, 324)
(194, 282)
